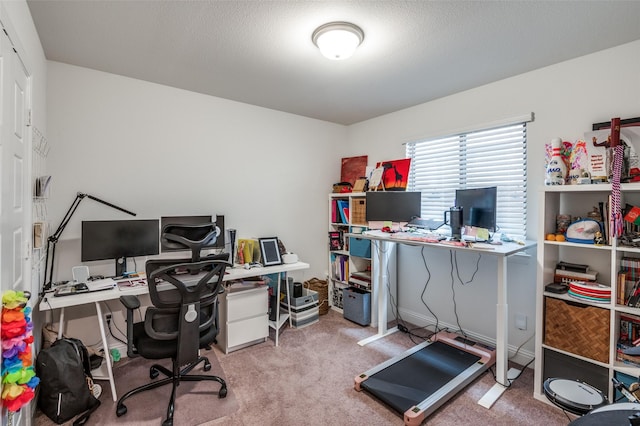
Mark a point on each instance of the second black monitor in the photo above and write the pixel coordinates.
(478, 207)
(393, 206)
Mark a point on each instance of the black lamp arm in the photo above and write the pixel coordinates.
(53, 238)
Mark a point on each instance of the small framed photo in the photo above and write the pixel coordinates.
(269, 251)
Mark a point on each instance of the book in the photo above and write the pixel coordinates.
(633, 215)
(335, 240)
(588, 275)
(575, 267)
(363, 275)
(360, 283)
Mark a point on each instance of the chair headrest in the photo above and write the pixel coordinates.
(190, 237)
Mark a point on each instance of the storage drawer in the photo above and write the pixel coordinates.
(247, 304)
(577, 328)
(359, 247)
(246, 331)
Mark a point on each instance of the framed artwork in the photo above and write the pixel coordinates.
(395, 174)
(269, 251)
(353, 168)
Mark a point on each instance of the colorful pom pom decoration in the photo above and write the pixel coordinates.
(19, 379)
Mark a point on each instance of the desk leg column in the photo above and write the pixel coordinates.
(61, 324)
(384, 254)
(502, 339)
(107, 353)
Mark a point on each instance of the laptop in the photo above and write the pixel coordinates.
(79, 288)
(431, 224)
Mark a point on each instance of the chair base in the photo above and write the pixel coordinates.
(175, 379)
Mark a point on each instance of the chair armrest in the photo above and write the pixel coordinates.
(130, 302)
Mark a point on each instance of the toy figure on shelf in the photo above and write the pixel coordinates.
(556, 169)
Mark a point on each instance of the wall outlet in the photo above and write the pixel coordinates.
(521, 321)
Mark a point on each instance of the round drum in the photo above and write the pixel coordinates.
(618, 406)
(619, 414)
(573, 396)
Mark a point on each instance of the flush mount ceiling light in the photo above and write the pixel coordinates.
(338, 40)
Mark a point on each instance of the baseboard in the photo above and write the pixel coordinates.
(523, 356)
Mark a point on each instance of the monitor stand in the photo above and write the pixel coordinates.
(121, 266)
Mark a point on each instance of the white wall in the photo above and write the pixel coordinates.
(156, 151)
(566, 99)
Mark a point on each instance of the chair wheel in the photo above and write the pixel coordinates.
(222, 393)
(153, 373)
(207, 366)
(121, 410)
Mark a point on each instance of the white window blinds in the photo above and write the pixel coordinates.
(476, 159)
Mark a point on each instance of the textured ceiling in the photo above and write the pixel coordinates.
(260, 52)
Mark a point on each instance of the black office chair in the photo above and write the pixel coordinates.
(182, 320)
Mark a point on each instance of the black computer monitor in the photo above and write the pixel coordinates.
(393, 206)
(167, 246)
(478, 207)
(119, 239)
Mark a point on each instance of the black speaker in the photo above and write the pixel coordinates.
(297, 289)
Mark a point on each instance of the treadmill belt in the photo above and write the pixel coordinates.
(414, 378)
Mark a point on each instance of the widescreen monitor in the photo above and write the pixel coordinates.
(479, 207)
(119, 239)
(393, 206)
(168, 246)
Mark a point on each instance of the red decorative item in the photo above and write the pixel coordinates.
(395, 176)
(353, 168)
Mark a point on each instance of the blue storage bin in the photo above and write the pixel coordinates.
(359, 247)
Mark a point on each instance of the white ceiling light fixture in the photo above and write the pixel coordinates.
(338, 40)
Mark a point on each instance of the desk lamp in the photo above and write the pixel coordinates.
(53, 239)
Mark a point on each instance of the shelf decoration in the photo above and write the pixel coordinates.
(353, 168)
(395, 174)
(616, 224)
(18, 374)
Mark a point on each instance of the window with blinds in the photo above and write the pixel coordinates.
(477, 159)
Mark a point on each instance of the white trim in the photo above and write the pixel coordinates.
(522, 118)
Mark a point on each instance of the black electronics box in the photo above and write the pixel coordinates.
(556, 288)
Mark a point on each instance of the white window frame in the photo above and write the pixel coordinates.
(491, 156)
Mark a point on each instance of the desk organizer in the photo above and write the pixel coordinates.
(304, 309)
(577, 328)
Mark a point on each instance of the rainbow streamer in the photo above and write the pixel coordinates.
(19, 379)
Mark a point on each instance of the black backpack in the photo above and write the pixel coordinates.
(65, 373)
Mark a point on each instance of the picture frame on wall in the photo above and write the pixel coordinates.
(270, 251)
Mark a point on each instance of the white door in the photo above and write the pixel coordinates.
(15, 218)
(14, 235)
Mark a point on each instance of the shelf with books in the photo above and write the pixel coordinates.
(615, 266)
(348, 256)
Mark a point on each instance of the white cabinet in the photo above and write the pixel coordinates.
(244, 317)
(586, 333)
(347, 214)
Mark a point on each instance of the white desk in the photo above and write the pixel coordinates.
(50, 302)
(383, 247)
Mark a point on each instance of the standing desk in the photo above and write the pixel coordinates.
(50, 302)
(383, 248)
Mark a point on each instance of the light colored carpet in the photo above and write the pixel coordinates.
(309, 380)
(196, 402)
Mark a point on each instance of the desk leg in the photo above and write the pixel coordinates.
(107, 353)
(384, 253)
(502, 340)
(61, 324)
